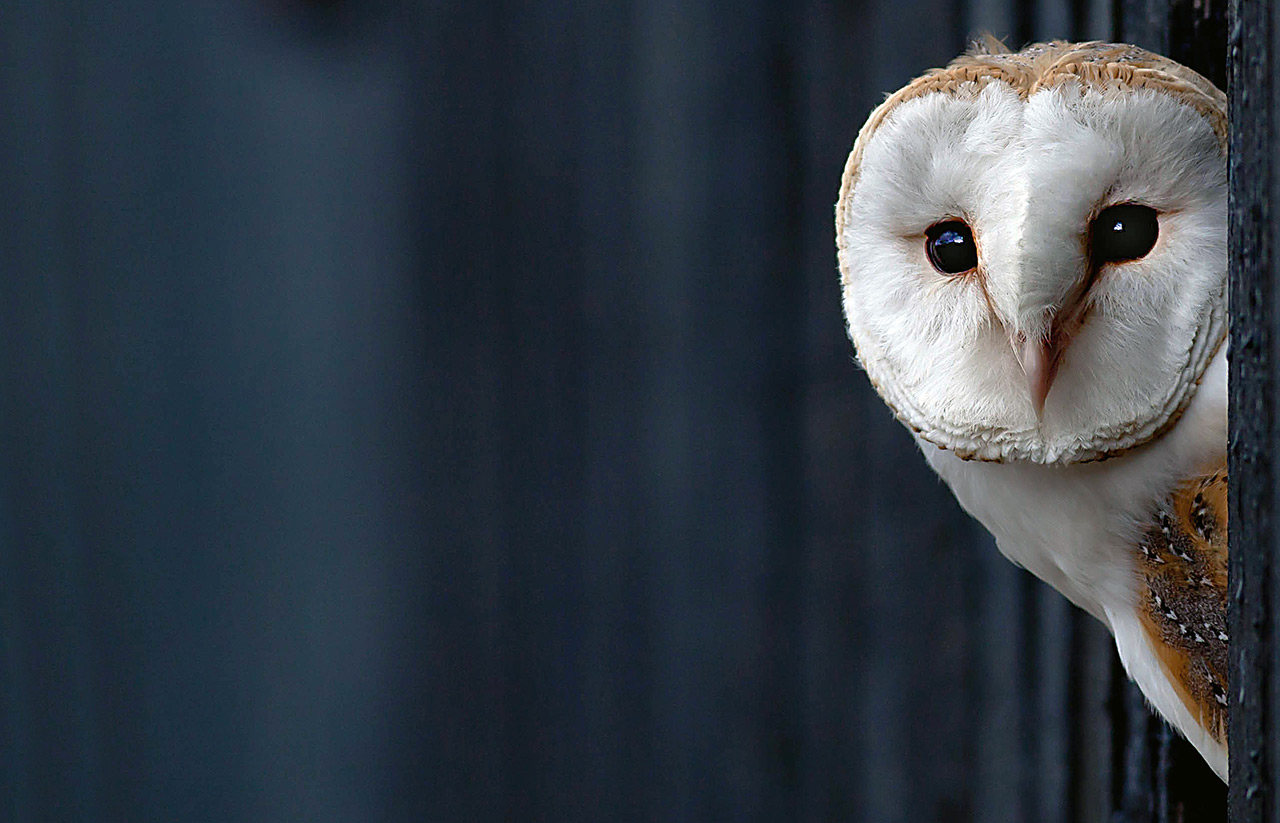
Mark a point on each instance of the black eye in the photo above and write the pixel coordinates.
(1124, 232)
(950, 247)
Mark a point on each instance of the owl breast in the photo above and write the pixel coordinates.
(1183, 605)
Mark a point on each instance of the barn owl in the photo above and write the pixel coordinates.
(1033, 258)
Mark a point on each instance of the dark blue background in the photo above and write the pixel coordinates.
(441, 411)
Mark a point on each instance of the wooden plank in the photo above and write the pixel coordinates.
(1253, 567)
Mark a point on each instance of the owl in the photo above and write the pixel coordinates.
(1033, 259)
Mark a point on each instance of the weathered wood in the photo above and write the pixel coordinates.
(1254, 316)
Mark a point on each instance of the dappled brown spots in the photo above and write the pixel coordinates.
(1183, 560)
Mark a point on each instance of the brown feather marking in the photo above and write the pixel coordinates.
(1183, 558)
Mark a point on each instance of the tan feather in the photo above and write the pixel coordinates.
(1183, 606)
(1114, 66)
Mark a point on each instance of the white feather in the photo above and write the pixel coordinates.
(1075, 527)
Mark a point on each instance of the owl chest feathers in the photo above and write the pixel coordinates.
(1138, 541)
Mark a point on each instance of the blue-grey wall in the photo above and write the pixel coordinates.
(441, 411)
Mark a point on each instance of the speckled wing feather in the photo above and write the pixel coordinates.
(1184, 606)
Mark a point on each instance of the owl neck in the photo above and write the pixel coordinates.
(1076, 526)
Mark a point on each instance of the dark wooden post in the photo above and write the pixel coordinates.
(1252, 617)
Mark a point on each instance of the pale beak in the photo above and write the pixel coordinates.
(1039, 359)
(1040, 354)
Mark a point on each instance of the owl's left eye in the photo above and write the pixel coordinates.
(1124, 232)
(951, 248)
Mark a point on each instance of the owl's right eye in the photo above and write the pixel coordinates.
(950, 247)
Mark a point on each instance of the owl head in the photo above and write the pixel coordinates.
(1032, 249)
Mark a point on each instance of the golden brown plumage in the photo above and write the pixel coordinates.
(1183, 607)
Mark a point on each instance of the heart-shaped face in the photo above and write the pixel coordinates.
(1033, 250)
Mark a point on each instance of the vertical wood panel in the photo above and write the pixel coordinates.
(1255, 301)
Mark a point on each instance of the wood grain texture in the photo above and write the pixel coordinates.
(1255, 306)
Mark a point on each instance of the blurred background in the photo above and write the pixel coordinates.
(442, 411)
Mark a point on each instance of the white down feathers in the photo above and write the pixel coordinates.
(1075, 527)
(1028, 176)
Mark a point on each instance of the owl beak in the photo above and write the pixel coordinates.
(1039, 359)
(1040, 354)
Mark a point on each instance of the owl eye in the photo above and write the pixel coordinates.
(1123, 232)
(951, 248)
